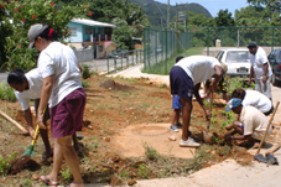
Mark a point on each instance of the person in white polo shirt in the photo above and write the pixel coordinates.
(185, 79)
(255, 99)
(260, 69)
(28, 87)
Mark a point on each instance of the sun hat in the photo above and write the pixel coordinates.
(233, 103)
(34, 31)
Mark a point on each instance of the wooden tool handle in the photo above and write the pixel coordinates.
(4, 115)
(268, 125)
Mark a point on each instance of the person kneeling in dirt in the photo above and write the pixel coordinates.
(185, 79)
(252, 122)
(255, 99)
(27, 87)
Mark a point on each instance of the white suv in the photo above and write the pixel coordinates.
(237, 61)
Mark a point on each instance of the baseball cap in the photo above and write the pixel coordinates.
(233, 103)
(252, 45)
(34, 31)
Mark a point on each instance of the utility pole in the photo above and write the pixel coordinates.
(168, 14)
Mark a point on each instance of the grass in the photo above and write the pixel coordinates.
(151, 153)
(7, 93)
(160, 68)
(5, 163)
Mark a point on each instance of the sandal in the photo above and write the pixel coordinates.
(48, 181)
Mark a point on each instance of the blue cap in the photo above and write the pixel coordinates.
(233, 103)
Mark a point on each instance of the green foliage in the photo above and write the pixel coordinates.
(24, 14)
(85, 84)
(129, 19)
(5, 163)
(202, 156)
(26, 182)
(143, 171)
(151, 153)
(230, 116)
(66, 175)
(86, 72)
(156, 12)
(7, 93)
(4, 33)
(224, 19)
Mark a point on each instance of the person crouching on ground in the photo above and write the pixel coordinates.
(28, 86)
(255, 99)
(62, 89)
(185, 79)
(252, 122)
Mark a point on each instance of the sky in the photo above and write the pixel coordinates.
(213, 6)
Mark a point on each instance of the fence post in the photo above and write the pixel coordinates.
(107, 61)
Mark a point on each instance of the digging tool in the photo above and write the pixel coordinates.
(268, 125)
(30, 149)
(25, 161)
(4, 115)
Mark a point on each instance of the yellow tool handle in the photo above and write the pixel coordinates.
(35, 134)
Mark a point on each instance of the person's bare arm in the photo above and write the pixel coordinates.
(45, 95)
(28, 117)
(200, 101)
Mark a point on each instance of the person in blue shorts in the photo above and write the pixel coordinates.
(177, 106)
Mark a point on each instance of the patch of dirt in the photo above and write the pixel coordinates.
(122, 119)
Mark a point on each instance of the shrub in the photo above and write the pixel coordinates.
(7, 93)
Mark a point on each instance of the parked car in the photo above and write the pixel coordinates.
(275, 62)
(237, 61)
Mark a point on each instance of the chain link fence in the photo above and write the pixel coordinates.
(159, 45)
(268, 37)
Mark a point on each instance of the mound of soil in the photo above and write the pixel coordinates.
(112, 85)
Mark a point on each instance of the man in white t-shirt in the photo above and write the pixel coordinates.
(185, 79)
(252, 122)
(28, 87)
(260, 69)
(255, 99)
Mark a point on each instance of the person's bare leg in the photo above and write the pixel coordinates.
(177, 116)
(45, 138)
(186, 115)
(71, 159)
(57, 161)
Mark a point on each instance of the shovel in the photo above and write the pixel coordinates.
(269, 159)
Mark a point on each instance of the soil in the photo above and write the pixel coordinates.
(125, 136)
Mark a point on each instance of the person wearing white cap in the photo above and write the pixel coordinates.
(252, 122)
(185, 79)
(62, 91)
(260, 69)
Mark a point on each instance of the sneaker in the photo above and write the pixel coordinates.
(174, 128)
(179, 125)
(189, 143)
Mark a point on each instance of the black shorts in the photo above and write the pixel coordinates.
(180, 83)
